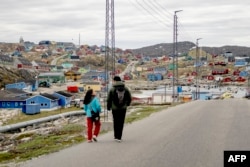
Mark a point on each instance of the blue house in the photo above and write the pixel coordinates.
(151, 77)
(46, 101)
(12, 102)
(160, 70)
(29, 85)
(154, 77)
(20, 99)
(159, 76)
(64, 98)
(17, 85)
(240, 61)
(94, 75)
(146, 58)
(121, 61)
(13, 98)
(243, 74)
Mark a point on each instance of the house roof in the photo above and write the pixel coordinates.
(12, 94)
(51, 74)
(9, 98)
(6, 58)
(15, 91)
(50, 96)
(64, 94)
(41, 63)
(24, 61)
(91, 82)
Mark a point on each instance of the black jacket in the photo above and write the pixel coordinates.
(112, 102)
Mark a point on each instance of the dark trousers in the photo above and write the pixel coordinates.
(118, 122)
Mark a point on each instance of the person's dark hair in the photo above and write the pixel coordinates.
(117, 78)
(88, 96)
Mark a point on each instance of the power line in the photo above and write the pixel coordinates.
(160, 8)
(142, 6)
(160, 15)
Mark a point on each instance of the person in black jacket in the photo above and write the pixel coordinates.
(119, 98)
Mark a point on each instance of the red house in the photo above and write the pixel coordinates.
(220, 71)
(236, 72)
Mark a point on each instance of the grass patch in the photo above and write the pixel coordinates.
(44, 144)
(142, 112)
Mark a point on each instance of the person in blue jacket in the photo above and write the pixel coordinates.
(92, 104)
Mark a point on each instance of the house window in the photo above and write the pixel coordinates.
(41, 104)
(3, 103)
(16, 104)
(8, 104)
(21, 103)
(45, 104)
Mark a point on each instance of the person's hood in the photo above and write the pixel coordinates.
(119, 84)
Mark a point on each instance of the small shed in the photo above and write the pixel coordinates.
(31, 109)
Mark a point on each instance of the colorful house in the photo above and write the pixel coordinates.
(160, 70)
(40, 65)
(64, 98)
(95, 85)
(240, 61)
(6, 60)
(45, 100)
(28, 85)
(72, 75)
(52, 77)
(14, 98)
(154, 77)
(22, 63)
(94, 75)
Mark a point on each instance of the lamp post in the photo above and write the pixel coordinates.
(175, 56)
(197, 64)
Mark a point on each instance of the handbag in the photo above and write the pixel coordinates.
(95, 116)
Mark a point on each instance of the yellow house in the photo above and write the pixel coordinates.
(95, 85)
(72, 75)
(138, 68)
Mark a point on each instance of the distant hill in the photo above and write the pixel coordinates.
(184, 47)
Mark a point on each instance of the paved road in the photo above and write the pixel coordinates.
(194, 134)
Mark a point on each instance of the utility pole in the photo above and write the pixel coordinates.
(175, 57)
(79, 39)
(197, 66)
(109, 48)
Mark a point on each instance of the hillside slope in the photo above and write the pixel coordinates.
(10, 75)
(184, 47)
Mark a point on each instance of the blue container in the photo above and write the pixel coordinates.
(31, 109)
(179, 89)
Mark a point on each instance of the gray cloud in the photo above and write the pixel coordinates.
(138, 23)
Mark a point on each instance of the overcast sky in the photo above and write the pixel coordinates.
(138, 23)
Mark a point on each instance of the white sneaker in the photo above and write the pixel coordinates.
(118, 140)
(95, 138)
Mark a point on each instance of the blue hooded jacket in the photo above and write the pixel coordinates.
(93, 105)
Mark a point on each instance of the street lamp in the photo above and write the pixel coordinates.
(197, 64)
(175, 56)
